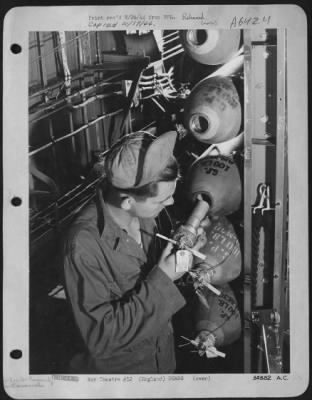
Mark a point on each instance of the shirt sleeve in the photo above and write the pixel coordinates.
(111, 325)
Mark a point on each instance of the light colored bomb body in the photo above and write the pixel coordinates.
(221, 318)
(217, 179)
(212, 112)
(210, 46)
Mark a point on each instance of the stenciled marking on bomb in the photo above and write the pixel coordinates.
(218, 179)
(223, 241)
(222, 94)
(228, 307)
(221, 164)
(223, 255)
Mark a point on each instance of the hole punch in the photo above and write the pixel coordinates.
(16, 201)
(16, 48)
(16, 354)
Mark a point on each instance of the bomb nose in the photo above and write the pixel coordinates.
(213, 112)
(199, 124)
(197, 37)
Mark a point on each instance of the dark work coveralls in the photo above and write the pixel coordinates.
(122, 302)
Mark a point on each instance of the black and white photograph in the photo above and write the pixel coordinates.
(155, 231)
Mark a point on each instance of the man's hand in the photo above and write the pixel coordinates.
(167, 263)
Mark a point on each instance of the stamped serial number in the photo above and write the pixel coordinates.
(175, 378)
(262, 378)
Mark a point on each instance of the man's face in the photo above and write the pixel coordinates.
(152, 206)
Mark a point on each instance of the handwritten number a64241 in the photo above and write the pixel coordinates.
(241, 22)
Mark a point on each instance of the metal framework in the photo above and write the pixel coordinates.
(265, 202)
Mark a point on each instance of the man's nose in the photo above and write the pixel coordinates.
(169, 202)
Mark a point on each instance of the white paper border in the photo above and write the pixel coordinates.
(18, 22)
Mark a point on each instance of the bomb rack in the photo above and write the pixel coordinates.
(266, 308)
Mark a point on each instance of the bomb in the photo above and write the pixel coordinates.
(222, 250)
(221, 317)
(217, 180)
(213, 112)
(211, 46)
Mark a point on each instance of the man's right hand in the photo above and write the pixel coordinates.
(167, 263)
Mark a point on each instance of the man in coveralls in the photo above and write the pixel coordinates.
(121, 291)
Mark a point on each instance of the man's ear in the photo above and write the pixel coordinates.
(126, 202)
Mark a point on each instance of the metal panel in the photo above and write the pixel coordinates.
(249, 95)
(281, 186)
